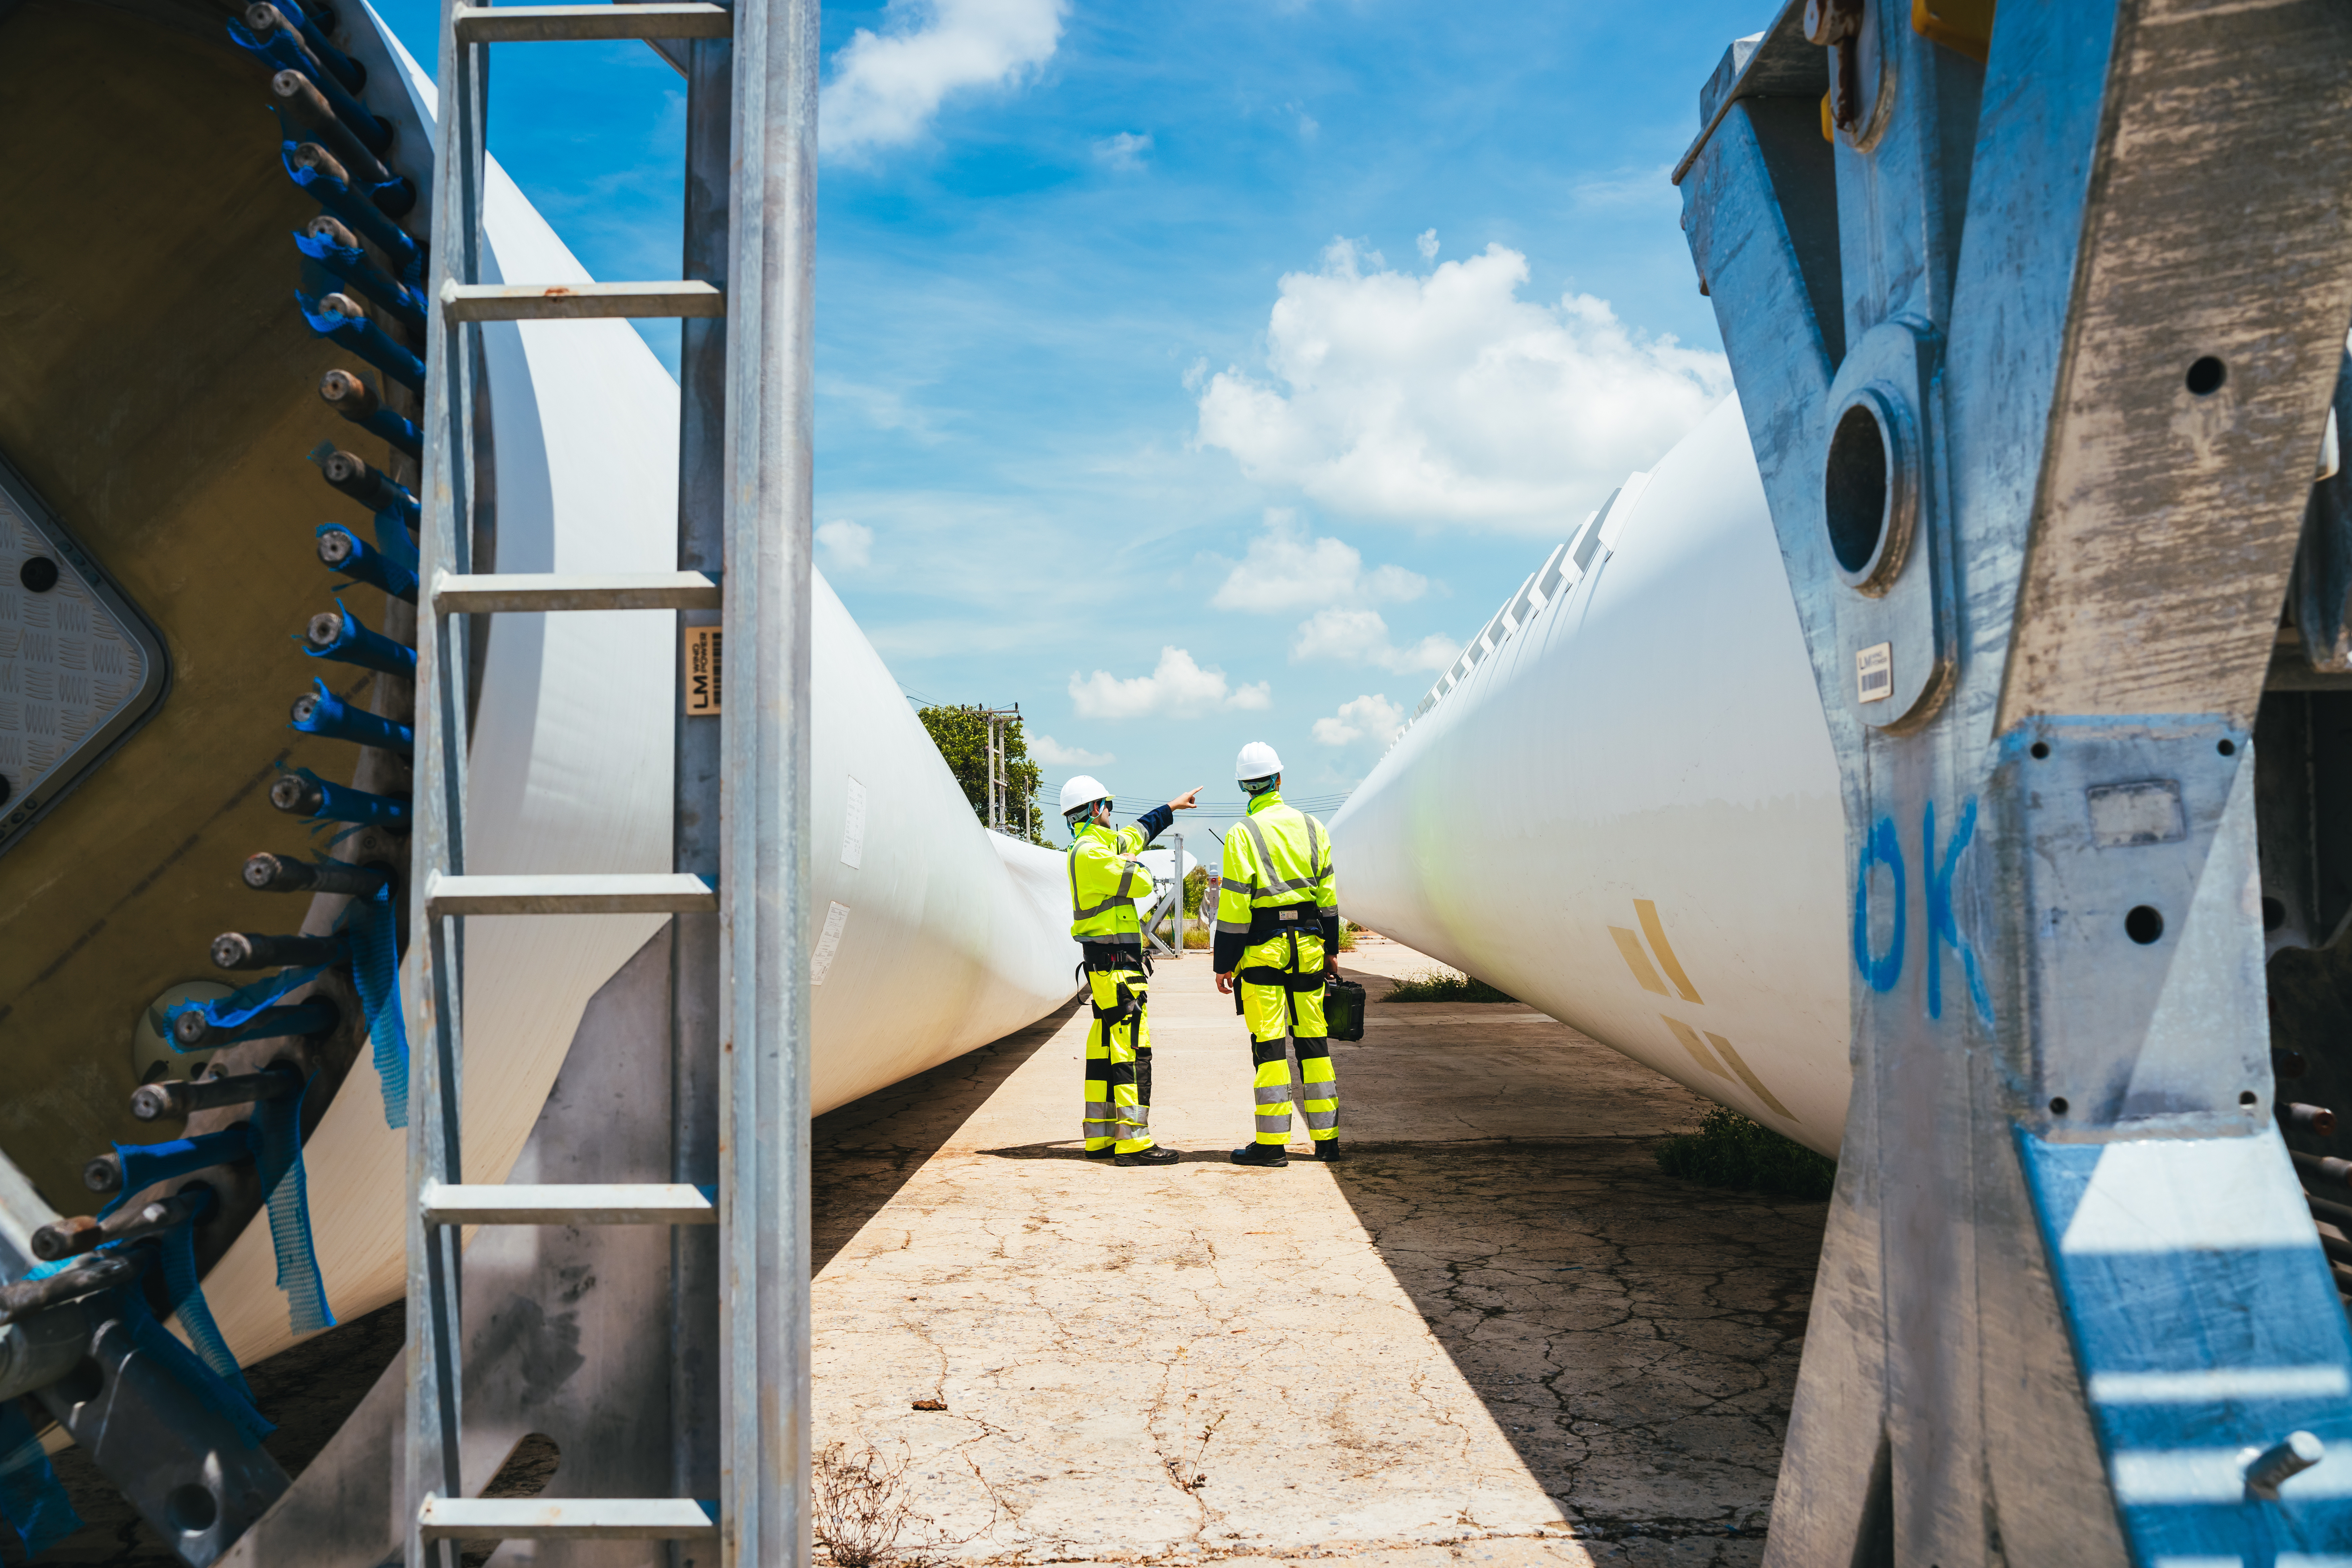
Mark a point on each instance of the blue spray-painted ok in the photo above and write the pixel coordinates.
(1881, 848)
(1941, 926)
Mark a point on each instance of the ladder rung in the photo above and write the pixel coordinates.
(559, 591)
(565, 1518)
(558, 24)
(578, 301)
(628, 1202)
(612, 894)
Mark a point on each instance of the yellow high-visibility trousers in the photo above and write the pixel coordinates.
(1119, 1063)
(1280, 1018)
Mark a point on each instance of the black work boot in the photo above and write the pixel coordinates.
(1155, 1155)
(1267, 1155)
(1105, 1152)
(1326, 1148)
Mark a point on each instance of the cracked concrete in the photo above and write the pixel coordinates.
(1495, 1333)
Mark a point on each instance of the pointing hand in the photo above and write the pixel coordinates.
(1188, 800)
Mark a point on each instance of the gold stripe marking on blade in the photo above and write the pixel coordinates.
(1655, 931)
(1749, 1078)
(1689, 1038)
(1637, 960)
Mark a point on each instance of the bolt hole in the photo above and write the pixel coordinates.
(2228, 748)
(2039, 748)
(39, 575)
(2206, 376)
(2247, 1096)
(2273, 914)
(190, 1508)
(2144, 924)
(2058, 1106)
(1854, 489)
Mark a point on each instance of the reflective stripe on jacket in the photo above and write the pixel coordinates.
(1276, 855)
(1105, 882)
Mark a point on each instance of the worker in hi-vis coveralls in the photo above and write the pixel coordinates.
(1277, 940)
(1105, 882)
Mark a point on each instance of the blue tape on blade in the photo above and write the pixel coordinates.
(280, 1161)
(366, 340)
(333, 719)
(340, 803)
(31, 1500)
(397, 539)
(182, 1289)
(358, 213)
(229, 1401)
(356, 643)
(350, 265)
(144, 1165)
(375, 967)
(239, 1006)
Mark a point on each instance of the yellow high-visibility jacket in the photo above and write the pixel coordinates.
(1277, 862)
(1105, 882)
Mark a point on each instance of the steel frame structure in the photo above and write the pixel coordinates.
(739, 993)
(2036, 355)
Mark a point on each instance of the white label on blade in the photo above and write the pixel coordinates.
(704, 671)
(828, 943)
(852, 824)
(1873, 673)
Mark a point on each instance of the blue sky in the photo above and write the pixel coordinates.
(1196, 374)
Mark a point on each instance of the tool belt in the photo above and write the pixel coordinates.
(1287, 977)
(1126, 1007)
(1268, 920)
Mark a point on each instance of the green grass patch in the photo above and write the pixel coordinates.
(1444, 985)
(1730, 1151)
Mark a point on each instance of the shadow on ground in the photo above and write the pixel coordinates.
(1634, 1336)
(863, 1152)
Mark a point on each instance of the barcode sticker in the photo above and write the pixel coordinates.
(828, 943)
(704, 666)
(1873, 673)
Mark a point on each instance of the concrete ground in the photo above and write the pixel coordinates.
(1495, 1332)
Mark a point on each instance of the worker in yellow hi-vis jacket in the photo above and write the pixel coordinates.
(1277, 939)
(1105, 882)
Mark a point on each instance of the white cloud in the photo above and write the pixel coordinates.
(887, 86)
(1123, 152)
(1361, 636)
(1448, 398)
(1427, 245)
(1178, 688)
(1054, 754)
(1374, 716)
(847, 543)
(1286, 569)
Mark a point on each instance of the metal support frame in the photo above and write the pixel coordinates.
(2035, 360)
(737, 1003)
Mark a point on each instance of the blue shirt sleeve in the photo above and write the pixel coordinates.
(1155, 822)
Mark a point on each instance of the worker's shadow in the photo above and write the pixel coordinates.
(863, 1152)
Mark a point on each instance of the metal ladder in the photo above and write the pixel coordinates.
(738, 996)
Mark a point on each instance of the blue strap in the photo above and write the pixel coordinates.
(280, 1160)
(239, 1006)
(31, 1500)
(186, 1295)
(159, 1345)
(375, 968)
(333, 719)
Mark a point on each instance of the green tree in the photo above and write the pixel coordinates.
(961, 735)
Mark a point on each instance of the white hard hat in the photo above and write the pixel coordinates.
(1257, 761)
(1082, 791)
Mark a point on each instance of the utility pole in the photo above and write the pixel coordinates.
(1000, 770)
